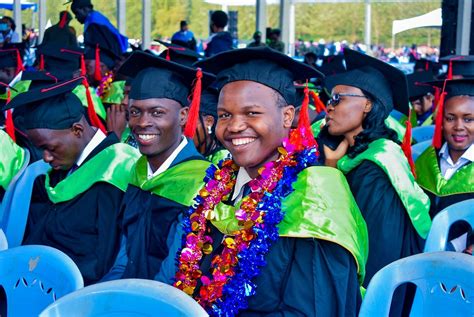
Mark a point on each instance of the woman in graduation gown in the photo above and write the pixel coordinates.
(445, 170)
(393, 205)
(12, 159)
(264, 238)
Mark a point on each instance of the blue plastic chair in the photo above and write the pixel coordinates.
(443, 280)
(419, 148)
(437, 239)
(126, 298)
(7, 198)
(34, 276)
(15, 213)
(425, 133)
(3, 241)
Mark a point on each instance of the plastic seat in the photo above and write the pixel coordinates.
(126, 298)
(443, 280)
(437, 239)
(15, 213)
(35, 276)
(425, 133)
(419, 148)
(3, 241)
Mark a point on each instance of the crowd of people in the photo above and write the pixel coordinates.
(255, 183)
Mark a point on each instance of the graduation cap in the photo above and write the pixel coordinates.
(450, 88)
(11, 57)
(418, 85)
(381, 80)
(155, 77)
(9, 125)
(52, 107)
(424, 64)
(272, 69)
(179, 54)
(77, 4)
(332, 65)
(63, 61)
(459, 65)
(209, 99)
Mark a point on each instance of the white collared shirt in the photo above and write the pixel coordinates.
(167, 163)
(98, 137)
(243, 178)
(448, 167)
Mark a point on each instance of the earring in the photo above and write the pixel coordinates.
(209, 129)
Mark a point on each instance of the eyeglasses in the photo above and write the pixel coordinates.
(336, 98)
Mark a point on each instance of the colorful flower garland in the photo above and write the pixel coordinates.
(104, 84)
(226, 293)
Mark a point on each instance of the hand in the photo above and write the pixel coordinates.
(116, 119)
(332, 157)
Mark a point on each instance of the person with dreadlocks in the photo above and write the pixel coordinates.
(61, 33)
(89, 173)
(394, 207)
(268, 221)
(445, 170)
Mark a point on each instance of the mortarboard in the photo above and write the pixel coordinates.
(209, 99)
(155, 77)
(179, 54)
(52, 107)
(77, 4)
(63, 61)
(381, 80)
(459, 65)
(332, 65)
(418, 85)
(424, 64)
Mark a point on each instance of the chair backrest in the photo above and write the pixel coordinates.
(419, 148)
(126, 298)
(7, 197)
(437, 239)
(443, 280)
(15, 214)
(3, 241)
(425, 133)
(34, 276)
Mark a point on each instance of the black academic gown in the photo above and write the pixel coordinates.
(380, 204)
(86, 228)
(147, 221)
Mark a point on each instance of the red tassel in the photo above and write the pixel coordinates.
(406, 144)
(438, 134)
(320, 107)
(41, 64)
(95, 121)
(63, 21)
(427, 66)
(437, 95)
(450, 70)
(303, 136)
(97, 73)
(9, 125)
(19, 62)
(168, 57)
(83, 63)
(193, 114)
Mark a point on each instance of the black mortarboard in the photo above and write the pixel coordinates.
(381, 80)
(155, 77)
(39, 79)
(262, 65)
(8, 58)
(456, 87)
(107, 57)
(209, 99)
(418, 84)
(76, 4)
(459, 65)
(179, 54)
(332, 65)
(63, 61)
(53, 107)
(424, 64)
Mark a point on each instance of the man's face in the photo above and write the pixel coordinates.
(61, 148)
(156, 124)
(458, 122)
(81, 14)
(90, 71)
(423, 104)
(252, 123)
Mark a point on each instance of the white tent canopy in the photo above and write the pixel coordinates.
(431, 19)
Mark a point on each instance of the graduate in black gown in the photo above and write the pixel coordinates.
(85, 186)
(312, 268)
(393, 205)
(170, 171)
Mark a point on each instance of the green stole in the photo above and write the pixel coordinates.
(179, 183)
(429, 176)
(111, 165)
(115, 93)
(390, 158)
(217, 156)
(12, 159)
(322, 207)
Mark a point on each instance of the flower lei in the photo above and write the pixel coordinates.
(104, 84)
(243, 255)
